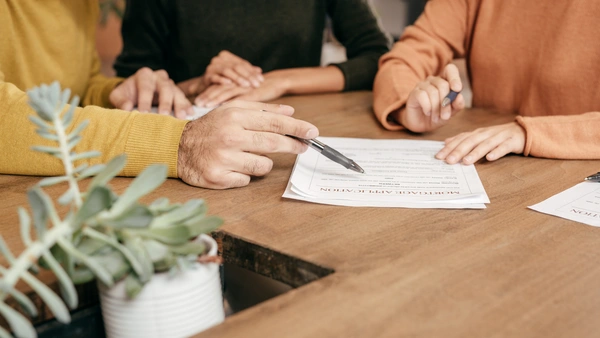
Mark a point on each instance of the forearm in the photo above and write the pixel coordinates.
(310, 80)
(562, 136)
(145, 138)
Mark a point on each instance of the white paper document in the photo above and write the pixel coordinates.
(580, 203)
(398, 173)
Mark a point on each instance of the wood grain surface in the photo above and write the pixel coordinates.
(502, 271)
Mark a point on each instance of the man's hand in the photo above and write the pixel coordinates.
(424, 111)
(224, 148)
(491, 142)
(147, 87)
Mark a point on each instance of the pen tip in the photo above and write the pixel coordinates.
(445, 102)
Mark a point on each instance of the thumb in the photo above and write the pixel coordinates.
(120, 97)
(452, 75)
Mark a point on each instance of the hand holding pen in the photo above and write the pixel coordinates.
(434, 101)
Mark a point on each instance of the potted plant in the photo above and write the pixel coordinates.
(156, 268)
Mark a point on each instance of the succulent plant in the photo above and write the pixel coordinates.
(102, 235)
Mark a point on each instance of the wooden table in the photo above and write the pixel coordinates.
(502, 271)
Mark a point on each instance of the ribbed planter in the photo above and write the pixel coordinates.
(178, 305)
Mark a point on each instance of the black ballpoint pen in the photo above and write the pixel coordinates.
(594, 177)
(331, 154)
(449, 98)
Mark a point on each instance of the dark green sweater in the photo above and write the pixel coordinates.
(181, 36)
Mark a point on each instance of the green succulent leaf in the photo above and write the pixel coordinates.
(111, 170)
(203, 225)
(91, 171)
(21, 298)
(52, 181)
(138, 216)
(98, 199)
(68, 117)
(67, 287)
(174, 235)
(101, 272)
(4, 333)
(137, 248)
(25, 227)
(189, 209)
(5, 251)
(189, 248)
(18, 323)
(45, 134)
(78, 129)
(67, 197)
(54, 303)
(85, 155)
(130, 257)
(46, 149)
(40, 123)
(133, 286)
(148, 180)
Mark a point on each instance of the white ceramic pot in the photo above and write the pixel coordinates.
(180, 305)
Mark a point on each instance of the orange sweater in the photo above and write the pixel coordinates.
(536, 58)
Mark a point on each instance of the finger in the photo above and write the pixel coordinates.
(488, 145)
(181, 105)
(452, 75)
(146, 85)
(443, 88)
(458, 104)
(251, 164)
(225, 95)
(211, 91)
(235, 77)
(122, 96)
(165, 96)
(467, 146)
(245, 71)
(434, 98)
(281, 109)
(258, 71)
(450, 144)
(422, 99)
(216, 78)
(264, 121)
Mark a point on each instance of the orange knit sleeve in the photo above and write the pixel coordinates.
(437, 37)
(574, 137)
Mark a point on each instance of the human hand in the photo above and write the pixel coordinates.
(423, 110)
(274, 86)
(228, 68)
(147, 87)
(225, 148)
(491, 142)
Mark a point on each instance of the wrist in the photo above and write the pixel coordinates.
(286, 78)
(182, 153)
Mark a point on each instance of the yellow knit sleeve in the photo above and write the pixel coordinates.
(99, 86)
(145, 138)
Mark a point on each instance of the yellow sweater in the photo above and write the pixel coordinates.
(46, 40)
(538, 58)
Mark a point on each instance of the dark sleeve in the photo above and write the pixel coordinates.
(145, 33)
(356, 27)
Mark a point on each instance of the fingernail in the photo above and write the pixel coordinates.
(245, 84)
(467, 160)
(311, 133)
(164, 112)
(261, 78)
(451, 159)
(255, 83)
